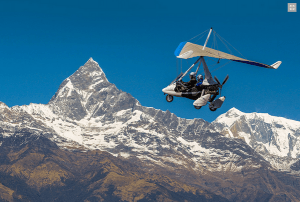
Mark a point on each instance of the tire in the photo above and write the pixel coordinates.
(197, 107)
(213, 109)
(169, 98)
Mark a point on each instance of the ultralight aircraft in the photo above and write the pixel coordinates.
(210, 87)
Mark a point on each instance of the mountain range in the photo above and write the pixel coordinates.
(99, 143)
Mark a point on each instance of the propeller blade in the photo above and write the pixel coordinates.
(217, 80)
(225, 80)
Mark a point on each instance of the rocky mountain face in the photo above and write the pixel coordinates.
(232, 158)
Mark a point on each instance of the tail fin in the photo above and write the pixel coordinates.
(276, 64)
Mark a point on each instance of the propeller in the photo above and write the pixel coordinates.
(217, 80)
(225, 80)
(221, 85)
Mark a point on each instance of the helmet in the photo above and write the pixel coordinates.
(192, 75)
(199, 77)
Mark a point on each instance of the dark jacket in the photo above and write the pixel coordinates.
(191, 83)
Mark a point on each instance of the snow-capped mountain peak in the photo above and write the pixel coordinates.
(92, 60)
(231, 116)
(268, 135)
(86, 78)
(228, 118)
(82, 93)
(234, 112)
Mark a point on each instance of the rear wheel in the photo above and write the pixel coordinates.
(213, 109)
(197, 107)
(169, 98)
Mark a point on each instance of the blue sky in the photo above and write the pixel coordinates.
(42, 43)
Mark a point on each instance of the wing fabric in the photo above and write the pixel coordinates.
(189, 50)
(253, 63)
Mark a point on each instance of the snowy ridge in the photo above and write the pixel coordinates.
(230, 117)
(145, 142)
(36, 109)
(3, 106)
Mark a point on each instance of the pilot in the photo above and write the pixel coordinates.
(192, 82)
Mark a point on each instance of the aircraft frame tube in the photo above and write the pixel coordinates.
(189, 69)
(198, 67)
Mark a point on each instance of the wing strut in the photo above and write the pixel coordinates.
(189, 69)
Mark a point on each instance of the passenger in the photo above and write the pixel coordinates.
(200, 82)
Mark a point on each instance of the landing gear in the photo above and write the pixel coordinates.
(197, 107)
(169, 98)
(212, 98)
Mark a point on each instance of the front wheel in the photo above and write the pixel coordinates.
(169, 98)
(197, 107)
